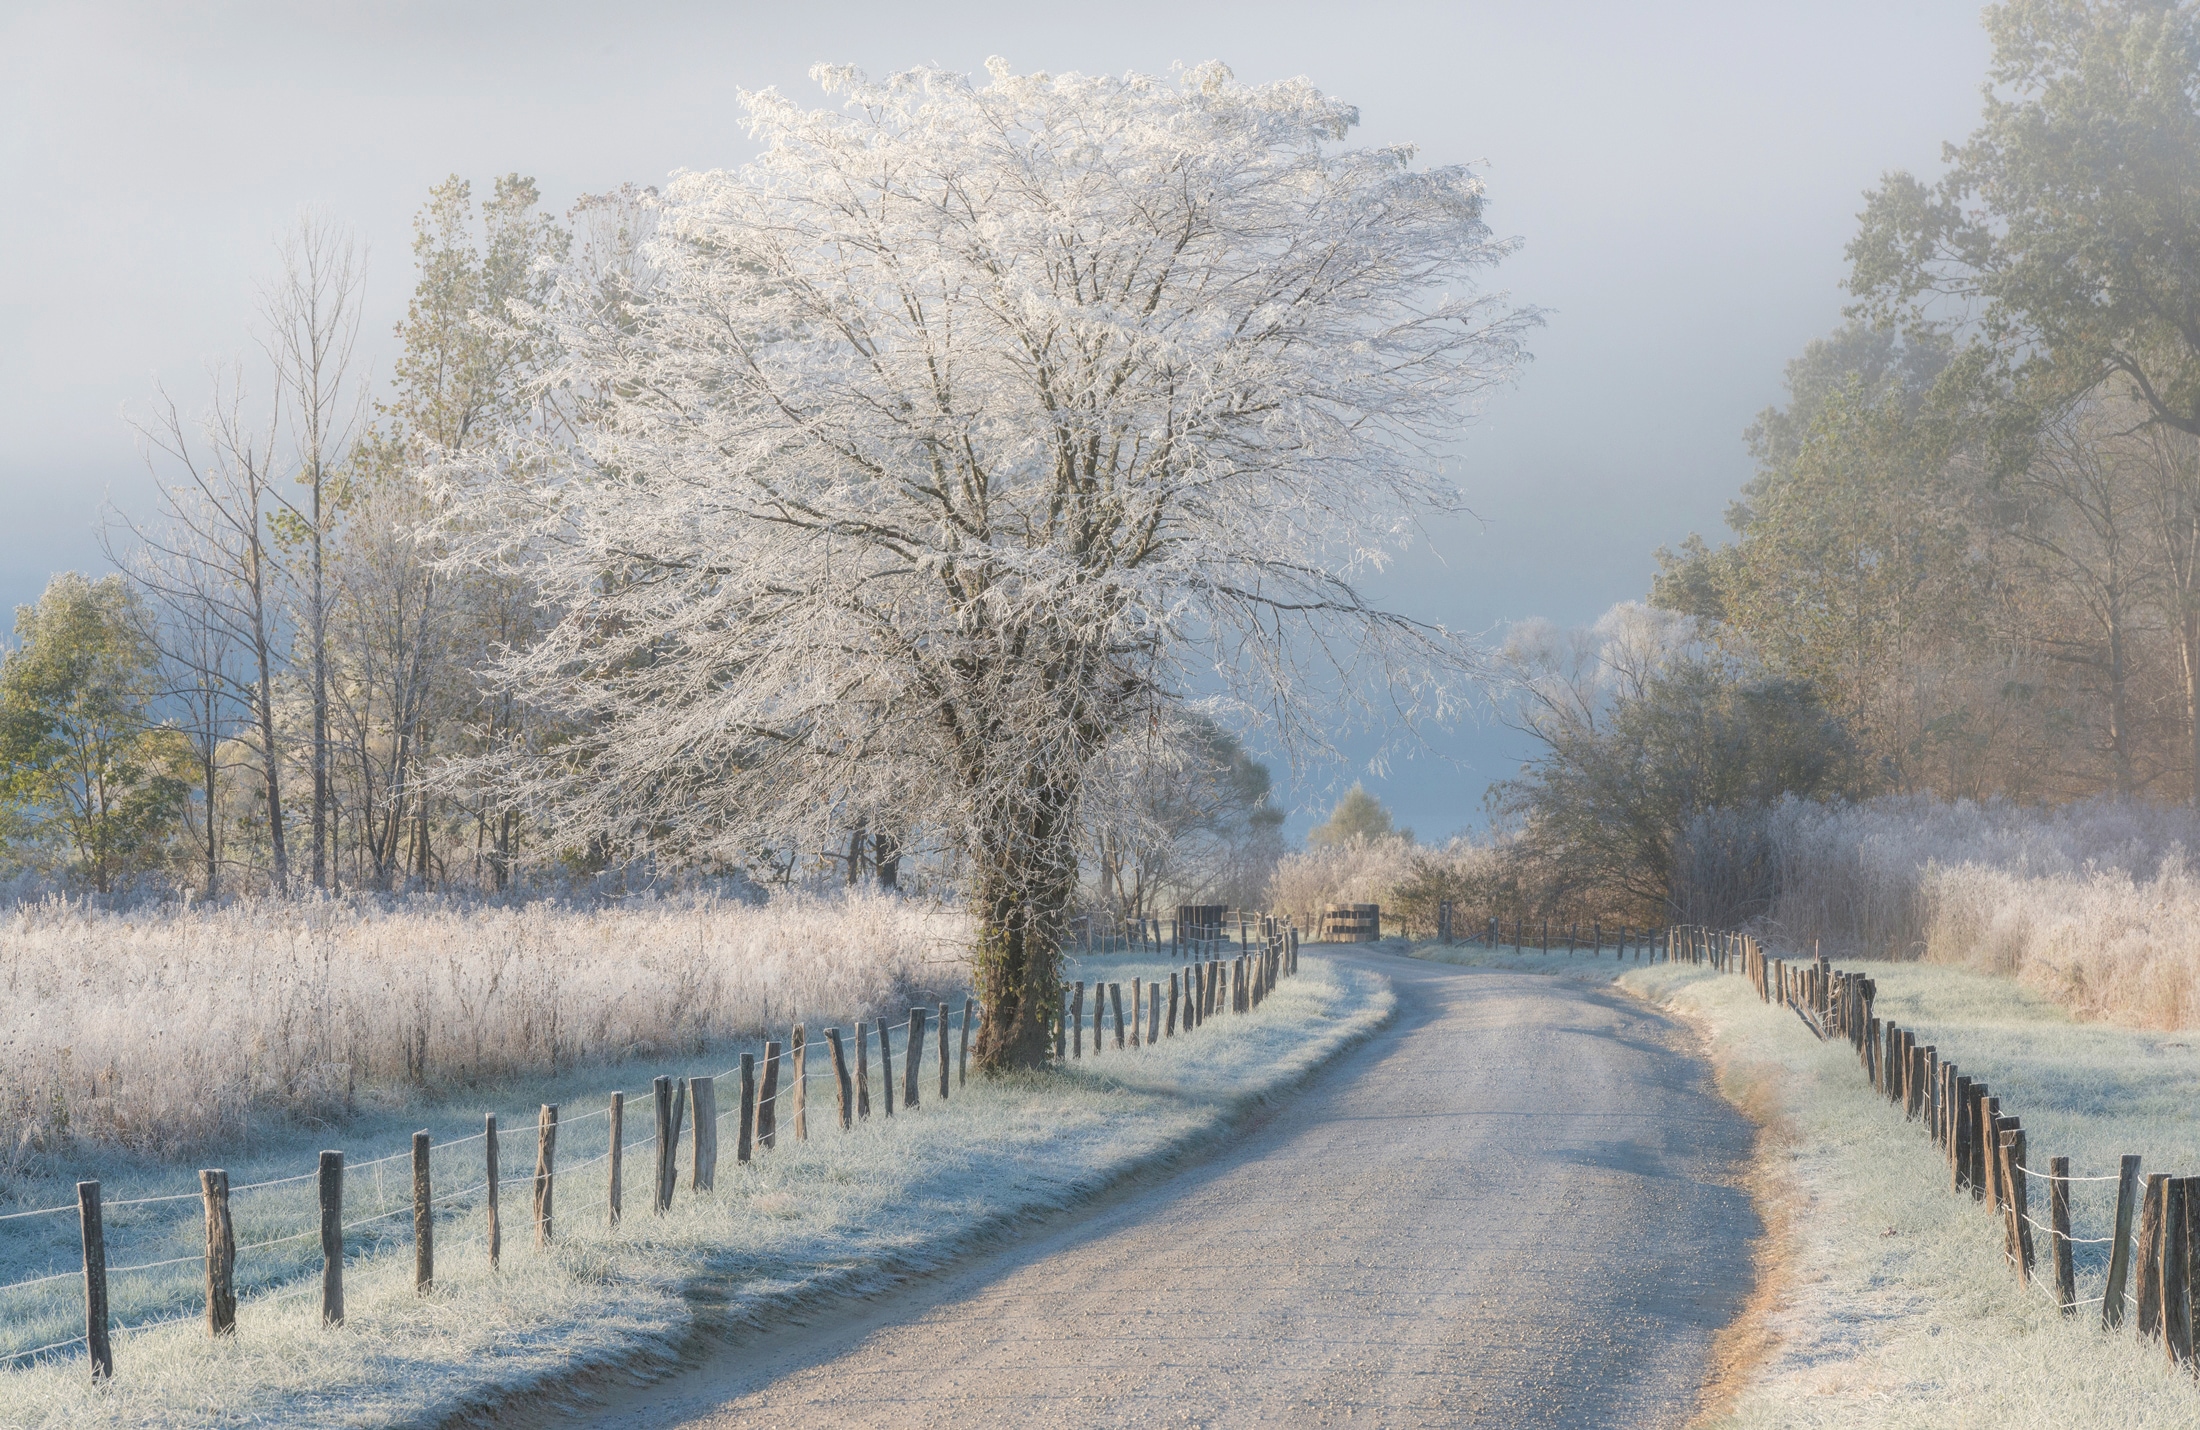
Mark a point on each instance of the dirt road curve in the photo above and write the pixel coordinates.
(1514, 1207)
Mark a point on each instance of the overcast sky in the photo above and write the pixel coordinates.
(1684, 177)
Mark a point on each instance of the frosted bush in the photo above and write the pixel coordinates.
(173, 1027)
(2094, 904)
(1357, 871)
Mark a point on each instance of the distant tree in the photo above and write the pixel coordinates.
(82, 761)
(1857, 566)
(1359, 815)
(2067, 227)
(969, 430)
(1605, 804)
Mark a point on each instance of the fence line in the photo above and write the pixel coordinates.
(2155, 1243)
(1215, 977)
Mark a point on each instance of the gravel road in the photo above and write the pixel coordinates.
(1518, 1206)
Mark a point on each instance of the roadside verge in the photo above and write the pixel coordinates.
(832, 1215)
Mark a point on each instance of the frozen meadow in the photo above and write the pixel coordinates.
(836, 1213)
(2095, 905)
(181, 1027)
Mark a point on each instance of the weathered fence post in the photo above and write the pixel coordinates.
(1061, 1024)
(94, 1233)
(660, 1192)
(423, 1219)
(703, 1092)
(617, 1134)
(2175, 1281)
(943, 1052)
(2119, 1255)
(1172, 1006)
(962, 1044)
(330, 1185)
(489, 1207)
(221, 1254)
(1138, 1021)
(912, 1060)
(767, 1099)
(1959, 1147)
(846, 1103)
(1115, 998)
(546, 1170)
(745, 1138)
(798, 1070)
(2058, 1240)
(2150, 1255)
(1077, 1020)
(886, 1068)
(863, 1069)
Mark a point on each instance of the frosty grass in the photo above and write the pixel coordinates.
(836, 1213)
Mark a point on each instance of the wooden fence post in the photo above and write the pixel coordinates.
(660, 1191)
(767, 1099)
(2058, 1240)
(1153, 1012)
(546, 1170)
(703, 1174)
(962, 1044)
(943, 1052)
(1115, 998)
(745, 1138)
(2150, 1255)
(1172, 1006)
(670, 1167)
(2175, 1280)
(886, 1067)
(1138, 1021)
(617, 1135)
(94, 1232)
(330, 1185)
(221, 1254)
(1959, 1140)
(2192, 1265)
(798, 1070)
(1061, 1025)
(1077, 1020)
(1981, 1138)
(912, 1060)
(863, 1070)
(1099, 1014)
(846, 1105)
(2119, 1252)
(423, 1219)
(489, 1208)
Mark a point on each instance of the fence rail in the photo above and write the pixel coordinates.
(2153, 1264)
(1217, 977)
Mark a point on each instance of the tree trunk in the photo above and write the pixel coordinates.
(1023, 905)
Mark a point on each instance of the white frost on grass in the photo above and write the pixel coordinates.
(833, 1213)
(1897, 1307)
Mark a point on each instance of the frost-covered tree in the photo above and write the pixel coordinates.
(969, 428)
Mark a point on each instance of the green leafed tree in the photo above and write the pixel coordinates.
(1359, 815)
(1604, 807)
(2067, 227)
(91, 779)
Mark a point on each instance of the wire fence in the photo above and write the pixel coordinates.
(2148, 1262)
(261, 1243)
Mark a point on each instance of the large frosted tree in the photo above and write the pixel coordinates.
(960, 436)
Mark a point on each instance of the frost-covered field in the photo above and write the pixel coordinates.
(2094, 904)
(837, 1212)
(1894, 1306)
(182, 1027)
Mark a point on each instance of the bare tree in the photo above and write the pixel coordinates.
(310, 322)
(217, 498)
